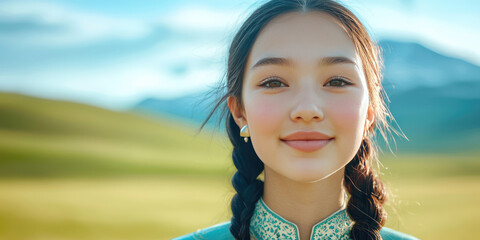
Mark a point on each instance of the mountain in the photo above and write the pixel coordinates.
(438, 119)
(435, 100)
(409, 65)
(191, 109)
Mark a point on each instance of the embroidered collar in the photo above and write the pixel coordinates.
(266, 224)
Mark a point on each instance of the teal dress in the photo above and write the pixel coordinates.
(266, 224)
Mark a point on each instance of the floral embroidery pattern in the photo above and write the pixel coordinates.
(266, 224)
(337, 227)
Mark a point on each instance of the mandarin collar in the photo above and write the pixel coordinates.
(266, 224)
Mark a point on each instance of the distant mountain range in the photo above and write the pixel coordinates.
(410, 65)
(435, 100)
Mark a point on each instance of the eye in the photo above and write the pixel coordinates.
(338, 82)
(272, 82)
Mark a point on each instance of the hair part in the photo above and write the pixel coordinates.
(367, 193)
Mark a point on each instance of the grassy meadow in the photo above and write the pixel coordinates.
(72, 171)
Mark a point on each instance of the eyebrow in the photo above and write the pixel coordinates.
(284, 61)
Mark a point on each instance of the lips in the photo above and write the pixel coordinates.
(307, 141)
(302, 135)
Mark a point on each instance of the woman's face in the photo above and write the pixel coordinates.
(303, 74)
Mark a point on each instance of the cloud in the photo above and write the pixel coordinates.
(37, 35)
(201, 19)
(51, 24)
(59, 56)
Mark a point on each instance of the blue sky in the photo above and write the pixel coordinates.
(115, 53)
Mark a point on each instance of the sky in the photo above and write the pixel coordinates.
(113, 54)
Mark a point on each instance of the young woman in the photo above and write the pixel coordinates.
(304, 86)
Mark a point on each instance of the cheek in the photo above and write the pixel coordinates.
(347, 114)
(264, 116)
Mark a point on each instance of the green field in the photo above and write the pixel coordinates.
(71, 171)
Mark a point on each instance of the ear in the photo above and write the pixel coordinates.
(370, 118)
(238, 115)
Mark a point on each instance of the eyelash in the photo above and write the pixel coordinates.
(276, 79)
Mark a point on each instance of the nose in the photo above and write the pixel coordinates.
(308, 107)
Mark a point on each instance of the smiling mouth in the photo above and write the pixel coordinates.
(307, 145)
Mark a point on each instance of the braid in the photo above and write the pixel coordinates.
(365, 206)
(249, 188)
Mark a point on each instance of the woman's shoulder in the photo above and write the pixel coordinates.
(221, 232)
(390, 234)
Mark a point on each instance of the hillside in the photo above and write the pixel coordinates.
(41, 137)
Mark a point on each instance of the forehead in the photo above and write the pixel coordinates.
(302, 37)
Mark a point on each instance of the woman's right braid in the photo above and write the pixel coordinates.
(365, 206)
(249, 188)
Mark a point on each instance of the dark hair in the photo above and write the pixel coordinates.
(366, 190)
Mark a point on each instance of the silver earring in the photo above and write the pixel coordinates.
(244, 133)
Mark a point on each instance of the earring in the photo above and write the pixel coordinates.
(244, 133)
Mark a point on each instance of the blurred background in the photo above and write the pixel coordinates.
(100, 103)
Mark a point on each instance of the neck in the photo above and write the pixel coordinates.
(304, 204)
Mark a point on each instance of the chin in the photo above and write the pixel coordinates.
(308, 176)
(309, 173)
